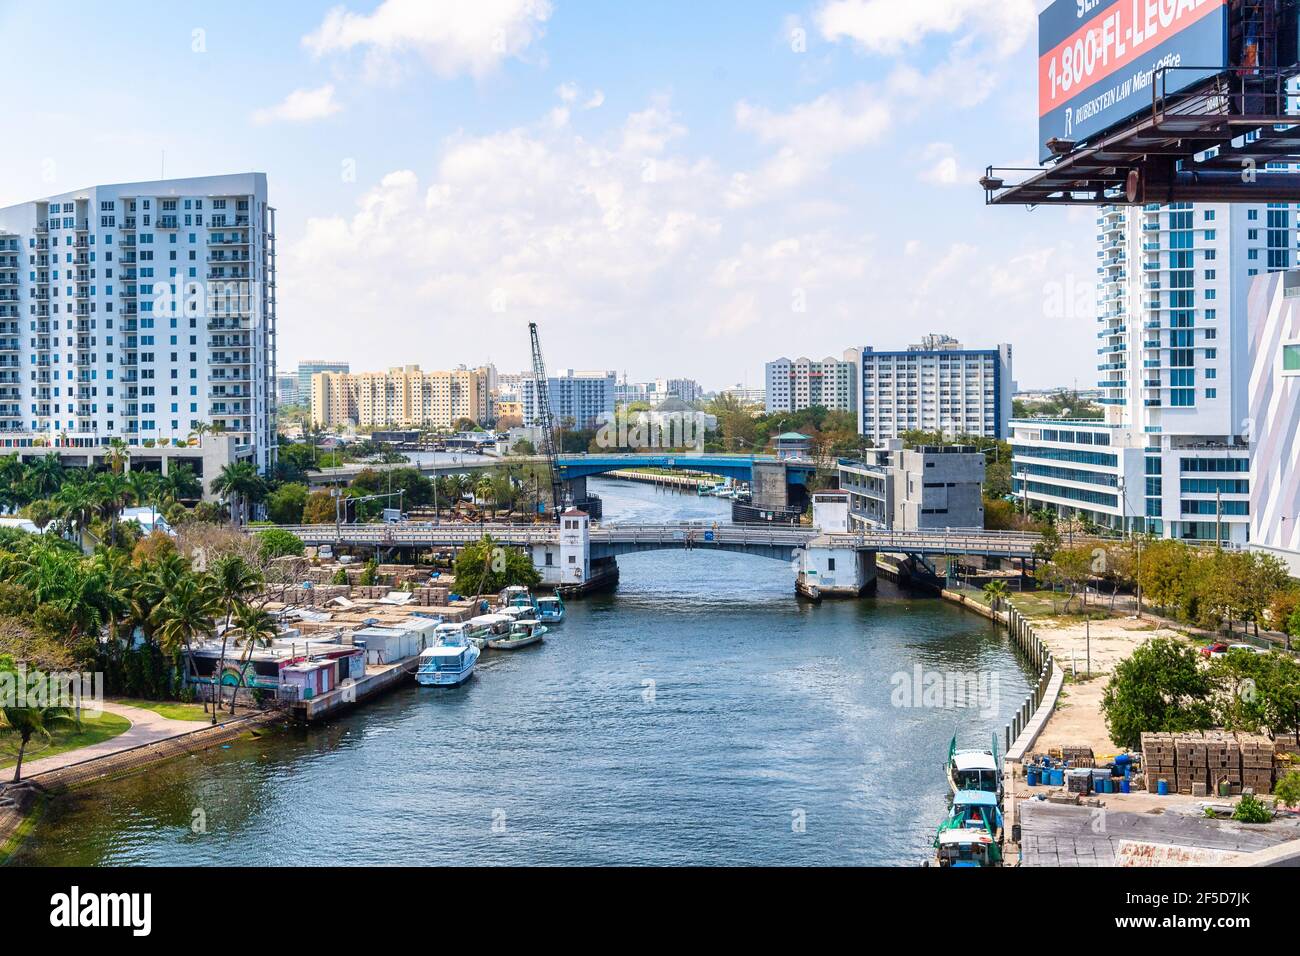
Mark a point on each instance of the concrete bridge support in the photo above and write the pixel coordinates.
(827, 570)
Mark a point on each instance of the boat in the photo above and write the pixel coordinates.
(975, 810)
(964, 847)
(490, 627)
(522, 633)
(516, 595)
(974, 769)
(447, 665)
(550, 609)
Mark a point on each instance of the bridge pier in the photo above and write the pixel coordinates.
(831, 568)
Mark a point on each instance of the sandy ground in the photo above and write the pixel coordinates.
(1078, 719)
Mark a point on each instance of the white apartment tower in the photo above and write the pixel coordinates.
(795, 384)
(1171, 456)
(140, 311)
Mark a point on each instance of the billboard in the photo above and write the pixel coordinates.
(1097, 58)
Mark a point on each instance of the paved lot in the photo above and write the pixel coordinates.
(1059, 835)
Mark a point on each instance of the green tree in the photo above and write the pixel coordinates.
(241, 485)
(254, 627)
(231, 581)
(285, 505)
(1287, 790)
(1165, 567)
(278, 543)
(1160, 687)
(485, 567)
(184, 617)
(28, 722)
(996, 592)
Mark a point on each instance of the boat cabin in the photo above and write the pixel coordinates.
(976, 770)
(963, 848)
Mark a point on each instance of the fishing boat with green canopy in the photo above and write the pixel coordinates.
(975, 769)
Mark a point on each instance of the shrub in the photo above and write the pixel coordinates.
(1251, 809)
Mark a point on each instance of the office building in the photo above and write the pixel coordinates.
(402, 396)
(311, 367)
(140, 311)
(796, 384)
(582, 400)
(936, 385)
(1173, 342)
(286, 388)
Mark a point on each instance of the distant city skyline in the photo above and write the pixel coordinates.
(786, 178)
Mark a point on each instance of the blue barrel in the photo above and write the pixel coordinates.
(1058, 778)
(1162, 788)
(1031, 776)
(1124, 786)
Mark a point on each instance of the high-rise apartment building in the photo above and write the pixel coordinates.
(936, 385)
(578, 399)
(404, 395)
(140, 311)
(1171, 456)
(661, 389)
(796, 384)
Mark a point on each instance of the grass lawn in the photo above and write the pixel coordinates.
(171, 709)
(1040, 604)
(93, 730)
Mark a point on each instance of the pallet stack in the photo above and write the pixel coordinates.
(1078, 756)
(1158, 756)
(1223, 761)
(1191, 771)
(1256, 763)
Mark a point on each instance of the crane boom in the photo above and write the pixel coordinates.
(550, 446)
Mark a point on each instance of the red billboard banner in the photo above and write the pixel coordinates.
(1097, 57)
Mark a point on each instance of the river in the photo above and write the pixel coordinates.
(700, 714)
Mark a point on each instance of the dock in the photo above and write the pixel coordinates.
(379, 679)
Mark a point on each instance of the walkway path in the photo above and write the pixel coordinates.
(146, 727)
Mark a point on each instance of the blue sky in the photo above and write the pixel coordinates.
(668, 189)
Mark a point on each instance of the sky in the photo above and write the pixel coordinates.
(668, 190)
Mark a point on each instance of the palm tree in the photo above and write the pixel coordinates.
(146, 489)
(239, 482)
(254, 627)
(231, 582)
(996, 592)
(179, 483)
(45, 476)
(27, 722)
(184, 616)
(484, 491)
(112, 493)
(117, 456)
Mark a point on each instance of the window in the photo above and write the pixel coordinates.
(1291, 358)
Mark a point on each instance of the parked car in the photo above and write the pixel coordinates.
(1250, 648)
(1217, 649)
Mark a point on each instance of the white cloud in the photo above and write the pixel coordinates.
(891, 26)
(300, 106)
(941, 167)
(453, 37)
(808, 137)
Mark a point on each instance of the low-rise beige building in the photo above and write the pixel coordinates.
(402, 396)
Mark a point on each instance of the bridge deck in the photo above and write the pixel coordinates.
(692, 535)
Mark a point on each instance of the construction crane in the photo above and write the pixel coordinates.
(544, 418)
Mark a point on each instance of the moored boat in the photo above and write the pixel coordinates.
(974, 769)
(522, 634)
(516, 595)
(964, 847)
(447, 665)
(490, 627)
(550, 609)
(975, 810)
